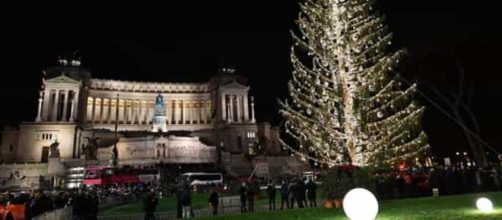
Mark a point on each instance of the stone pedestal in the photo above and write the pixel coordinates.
(159, 124)
(56, 167)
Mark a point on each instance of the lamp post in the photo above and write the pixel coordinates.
(219, 148)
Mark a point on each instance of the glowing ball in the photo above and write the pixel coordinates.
(484, 205)
(360, 204)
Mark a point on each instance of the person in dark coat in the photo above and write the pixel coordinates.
(213, 201)
(149, 205)
(186, 202)
(179, 205)
(284, 195)
(311, 193)
(94, 206)
(271, 195)
(250, 195)
(291, 194)
(300, 193)
(39, 204)
(243, 194)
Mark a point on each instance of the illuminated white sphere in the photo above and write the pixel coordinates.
(360, 204)
(484, 205)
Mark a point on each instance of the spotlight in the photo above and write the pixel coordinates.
(360, 204)
(484, 205)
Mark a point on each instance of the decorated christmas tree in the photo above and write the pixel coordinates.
(347, 103)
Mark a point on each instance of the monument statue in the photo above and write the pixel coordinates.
(91, 150)
(54, 151)
(159, 106)
(159, 101)
(159, 118)
(93, 144)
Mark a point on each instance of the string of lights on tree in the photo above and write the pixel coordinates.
(347, 105)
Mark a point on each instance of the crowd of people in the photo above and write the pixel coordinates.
(444, 180)
(293, 193)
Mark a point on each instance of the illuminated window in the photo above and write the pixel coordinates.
(251, 134)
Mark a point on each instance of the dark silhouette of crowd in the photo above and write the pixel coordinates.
(444, 180)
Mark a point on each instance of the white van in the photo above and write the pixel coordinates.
(201, 179)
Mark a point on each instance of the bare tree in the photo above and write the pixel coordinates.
(459, 103)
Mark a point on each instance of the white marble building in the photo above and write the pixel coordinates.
(73, 107)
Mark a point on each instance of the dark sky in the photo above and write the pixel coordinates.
(186, 42)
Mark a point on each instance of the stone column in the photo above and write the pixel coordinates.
(65, 105)
(200, 111)
(124, 116)
(131, 112)
(109, 114)
(142, 110)
(246, 109)
(39, 110)
(93, 118)
(150, 112)
(175, 111)
(195, 118)
(112, 111)
(55, 106)
(139, 112)
(182, 109)
(231, 100)
(137, 108)
(101, 109)
(253, 120)
(223, 107)
(208, 111)
(239, 108)
(74, 112)
(72, 106)
(186, 112)
(76, 98)
(169, 112)
(46, 105)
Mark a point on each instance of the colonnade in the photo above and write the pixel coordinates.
(138, 111)
(237, 108)
(57, 105)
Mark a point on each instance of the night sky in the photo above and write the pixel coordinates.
(187, 43)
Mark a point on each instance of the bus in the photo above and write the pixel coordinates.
(202, 179)
(107, 175)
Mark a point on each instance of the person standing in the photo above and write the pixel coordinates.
(311, 193)
(149, 205)
(213, 201)
(300, 194)
(179, 204)
(271, 195)
(291, 194)
(186, 201)
(284, 195)
(250, 195)
(94, 205)
(243, 195)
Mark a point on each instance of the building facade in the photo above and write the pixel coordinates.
(153, 122)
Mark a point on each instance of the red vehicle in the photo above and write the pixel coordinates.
(106, 175)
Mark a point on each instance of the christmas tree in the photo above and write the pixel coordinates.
(347, 103)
